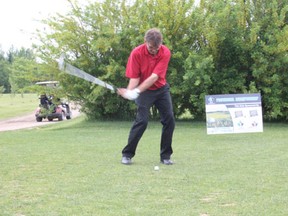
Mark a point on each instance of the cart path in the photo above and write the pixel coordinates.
(28, 121)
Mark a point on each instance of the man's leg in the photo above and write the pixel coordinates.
(144, 103)
(164, 105)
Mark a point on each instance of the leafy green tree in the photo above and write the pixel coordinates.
(20, 71)
(220, 47)
(23, 71)
(269, 55)
(99, 38)
(240, 47)
(4, 74)
(217, 61)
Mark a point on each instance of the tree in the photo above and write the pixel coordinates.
(25, 71)
(269, 55)
(220, 47)
(99, 38)
(240, 48)
(4, 74)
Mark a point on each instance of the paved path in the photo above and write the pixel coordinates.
(28, 121)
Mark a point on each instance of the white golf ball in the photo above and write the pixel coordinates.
(156, 168)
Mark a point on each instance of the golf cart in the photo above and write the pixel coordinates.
(51, 109)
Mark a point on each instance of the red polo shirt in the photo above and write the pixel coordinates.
(141, 64)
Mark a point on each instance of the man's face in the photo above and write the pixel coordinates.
(152, 49)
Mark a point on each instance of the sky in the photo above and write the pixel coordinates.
(19, 19)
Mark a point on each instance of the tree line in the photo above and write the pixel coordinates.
(20, 71)
(218, 47)
(14, 70)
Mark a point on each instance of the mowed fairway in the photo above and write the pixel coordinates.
(73, 168)
(12, 105)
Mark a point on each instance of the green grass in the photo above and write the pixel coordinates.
(12, 105)
(73, 168)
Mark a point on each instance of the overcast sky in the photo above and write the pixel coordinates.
(20, 18)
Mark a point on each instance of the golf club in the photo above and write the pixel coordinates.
(68, 68)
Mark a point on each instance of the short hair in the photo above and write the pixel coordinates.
(153, 36)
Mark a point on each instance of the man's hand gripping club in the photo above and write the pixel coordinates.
(129, 94)
(133, 90)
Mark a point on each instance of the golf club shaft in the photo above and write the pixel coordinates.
(70, 69)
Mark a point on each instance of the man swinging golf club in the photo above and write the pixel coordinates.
(146, 69)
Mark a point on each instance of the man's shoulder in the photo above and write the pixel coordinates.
(139, 49)
(142, 50)
(165, 50)
(165, 47)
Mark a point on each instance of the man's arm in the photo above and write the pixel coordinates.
(148, 82)
(133, 90)
(133, 83)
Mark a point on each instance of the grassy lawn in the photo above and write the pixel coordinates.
(14, 105)
(73, 168)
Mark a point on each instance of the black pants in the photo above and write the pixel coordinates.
(161, 98)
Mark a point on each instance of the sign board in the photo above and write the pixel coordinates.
(233, 113)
